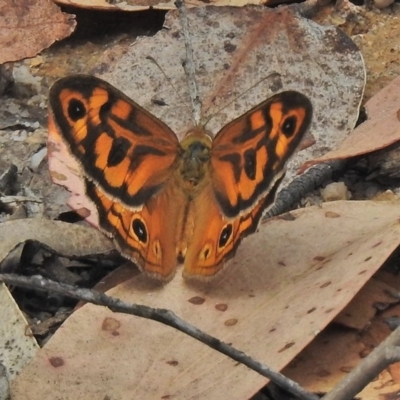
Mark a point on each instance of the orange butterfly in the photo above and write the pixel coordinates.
(166, 202)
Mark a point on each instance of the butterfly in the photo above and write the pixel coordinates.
(166, 202)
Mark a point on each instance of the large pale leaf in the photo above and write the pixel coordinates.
(242, 56)
(284, 286)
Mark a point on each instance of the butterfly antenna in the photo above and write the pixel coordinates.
(153, 60)
(169, 80)
(189, 62)
(238, 97)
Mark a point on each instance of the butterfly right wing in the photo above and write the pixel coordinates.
(248, 158)
(249, 154)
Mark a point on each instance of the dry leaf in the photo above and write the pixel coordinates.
(285, 285)
(137, 5)
(330, 357)
(327, 360)
(67, 239)
(336, 351)
(242, 56)
(29, 26)
(361, 310)
(381, 129)
(16, 344)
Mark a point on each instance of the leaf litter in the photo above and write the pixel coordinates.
(17, 343)
(229, 319)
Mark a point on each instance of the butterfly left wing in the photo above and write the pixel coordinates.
(249, 154)
(121, 147)
(248, 160)
(127, 162)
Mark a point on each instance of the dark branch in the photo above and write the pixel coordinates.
(302, 185)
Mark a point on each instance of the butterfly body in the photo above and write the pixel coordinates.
(195, 158)
(166, 202)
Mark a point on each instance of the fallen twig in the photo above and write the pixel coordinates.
(313, 178)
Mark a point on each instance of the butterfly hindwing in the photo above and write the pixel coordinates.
(144, 236)
(215, 238)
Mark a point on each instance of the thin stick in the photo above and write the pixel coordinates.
(164, 316)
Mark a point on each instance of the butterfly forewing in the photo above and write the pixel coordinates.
(249, 154)
(124, 149)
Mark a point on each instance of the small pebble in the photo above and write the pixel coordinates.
(387, 195)
(36, 61)
(19, 136)
(37, 158)
(311, 200)
(335, 191)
